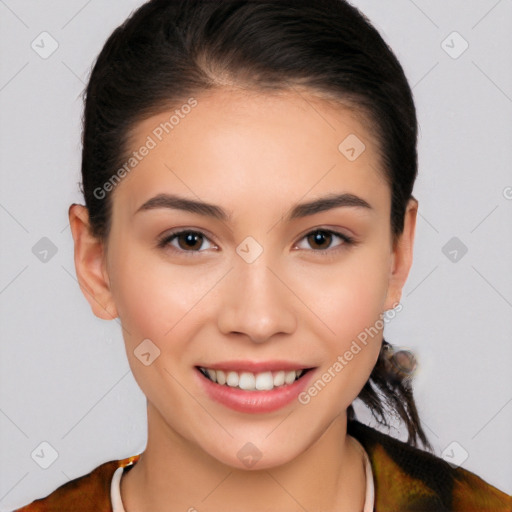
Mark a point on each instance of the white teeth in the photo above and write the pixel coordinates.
(279, 378)
(264, 381)
(221, 377)
(289, 377)
(248, 381)
(232, 379)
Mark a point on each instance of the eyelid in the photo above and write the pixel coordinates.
(165, 240)
(347, 240)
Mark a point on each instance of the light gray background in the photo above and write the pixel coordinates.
(65, 379)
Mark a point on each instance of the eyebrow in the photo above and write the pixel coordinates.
(174, 202)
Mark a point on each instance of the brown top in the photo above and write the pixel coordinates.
(405, 479)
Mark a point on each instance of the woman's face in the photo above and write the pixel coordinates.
(259, 281)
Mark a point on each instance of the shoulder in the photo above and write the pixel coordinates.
(88, 493)
(407, 478)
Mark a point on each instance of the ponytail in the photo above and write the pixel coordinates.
(389, 389)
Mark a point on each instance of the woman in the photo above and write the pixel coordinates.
(248, 169)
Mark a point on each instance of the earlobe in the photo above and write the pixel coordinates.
(90, 264)
(402, 256)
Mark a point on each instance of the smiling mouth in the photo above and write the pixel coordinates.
(249, 381)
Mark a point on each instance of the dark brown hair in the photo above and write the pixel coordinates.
(170, 50)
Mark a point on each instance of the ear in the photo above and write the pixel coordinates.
(401, 260)
(90, 264)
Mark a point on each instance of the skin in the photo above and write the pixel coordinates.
(255, 155)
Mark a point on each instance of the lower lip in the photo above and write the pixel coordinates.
(254, 401)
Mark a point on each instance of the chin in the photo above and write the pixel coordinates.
(253, 454)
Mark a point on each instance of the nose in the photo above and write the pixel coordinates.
(256, 302)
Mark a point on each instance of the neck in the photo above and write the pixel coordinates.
(175, 474)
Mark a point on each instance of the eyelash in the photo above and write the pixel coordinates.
(165, 241)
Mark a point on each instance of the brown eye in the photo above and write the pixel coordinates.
(321, 240)
(189, 240)
(185, 241)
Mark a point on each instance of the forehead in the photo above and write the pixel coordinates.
(235, 146)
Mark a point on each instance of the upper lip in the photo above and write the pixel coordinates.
(255, 366)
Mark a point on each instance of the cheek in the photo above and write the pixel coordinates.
(350, 301)
(156, 299)
(361, 298)
(147, 301)
(349, 296)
